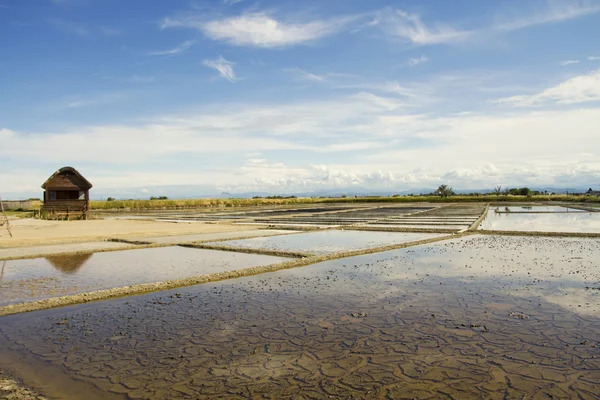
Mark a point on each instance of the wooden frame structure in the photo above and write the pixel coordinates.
(4, 221)
(66, 195)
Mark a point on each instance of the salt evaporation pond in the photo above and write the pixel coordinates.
(53, 276)
(329, 241)
(580, 221)
(536, 209)
(518, 320)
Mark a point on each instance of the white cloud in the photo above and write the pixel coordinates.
(593, 58)
(386, 87)
(569, 62)
(307, 75)
(416, 61)
(176, 50)
(224, 67)
(95, 99)
(411, 28)
(260, 29)
(555, 11)
(579, 89)
(360, 140)
(386, 103)
(230, 2)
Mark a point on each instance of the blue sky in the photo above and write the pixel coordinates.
(188, 98)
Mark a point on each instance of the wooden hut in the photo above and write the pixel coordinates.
(66, 195)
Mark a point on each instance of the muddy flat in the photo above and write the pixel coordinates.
(475, 317)
(28, 232)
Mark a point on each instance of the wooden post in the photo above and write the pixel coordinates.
(2, 273)
(5, 217)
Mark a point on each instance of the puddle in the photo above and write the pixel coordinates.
(329, 241)
(41, 278)
(457, 319)
(579, 221)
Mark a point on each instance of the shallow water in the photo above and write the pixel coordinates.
(41, 278)
(580, 221)
(418, 226)
(534, 209)
(178, 239)
(476, 317)
(329, 241)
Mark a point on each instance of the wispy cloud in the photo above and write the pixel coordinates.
(307, 75)
(260, 29)
(411, 28)
(593, 58)
(555, 11)
(416, 61)
(224, 67)
(230, 2)
(176, 50)
(326, 77)
(579, 89)
(569, 62)
(387, 87)
(95, 100)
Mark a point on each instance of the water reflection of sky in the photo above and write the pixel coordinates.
(537, 209)
(35, 279)
(561, 271)
(414, 311)
(329, 241)
(550, 222)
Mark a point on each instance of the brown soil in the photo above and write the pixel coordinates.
(10, 389)
(28, 232)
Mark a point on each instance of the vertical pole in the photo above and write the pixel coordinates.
(6, 218)
(2, 273)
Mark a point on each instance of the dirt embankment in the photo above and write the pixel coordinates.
(29, 232)
(10, 389)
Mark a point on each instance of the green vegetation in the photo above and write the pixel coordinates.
(444, 191)
(19, 213)
(255, 202)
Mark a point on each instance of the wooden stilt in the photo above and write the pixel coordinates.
(6, 222)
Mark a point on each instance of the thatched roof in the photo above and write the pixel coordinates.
(81, 182)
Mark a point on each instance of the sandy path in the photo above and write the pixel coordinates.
(29, 232)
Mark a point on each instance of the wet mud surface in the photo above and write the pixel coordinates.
(476, 317)
(328, 241)
(53, 276)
